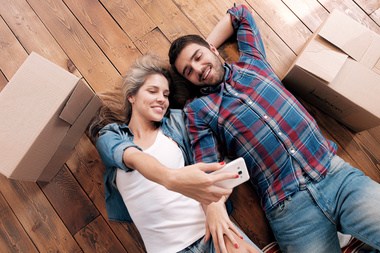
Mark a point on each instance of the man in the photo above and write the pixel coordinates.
(306, 190)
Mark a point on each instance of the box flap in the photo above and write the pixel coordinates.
(376, 68)
(322, 59)
(71, 139)
(345, 33)
(78, 100)
(360, 85)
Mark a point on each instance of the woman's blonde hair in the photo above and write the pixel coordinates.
(116, 107)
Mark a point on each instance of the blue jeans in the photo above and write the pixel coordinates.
(208, 247)
(345, 200)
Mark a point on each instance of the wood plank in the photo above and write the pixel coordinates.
(375, 133)
(369, 6)
(351, 9)
(130, 16)
(310, 12)
(203, 14)
(172, 30)
(88, 169)
(3, 80)
(371, 148)
(347, 142)
(25, 24)
(250, 216)
(154, 42)
(13, 237)
(77, 44)
(112, 40)
(98, 237)
(283, 22)
(37, 216)
(11, 51)
(63, 192)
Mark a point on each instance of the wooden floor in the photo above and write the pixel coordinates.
(98, 40)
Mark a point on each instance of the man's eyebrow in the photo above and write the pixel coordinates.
(191, 58)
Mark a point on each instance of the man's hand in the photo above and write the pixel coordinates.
(193, 181)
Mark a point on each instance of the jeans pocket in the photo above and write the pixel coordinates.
(335, 164)
(279, 211)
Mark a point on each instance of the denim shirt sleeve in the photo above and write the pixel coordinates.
(113, 140)
(174, 127)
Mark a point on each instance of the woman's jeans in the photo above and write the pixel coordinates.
(345, 200)
(201, 246)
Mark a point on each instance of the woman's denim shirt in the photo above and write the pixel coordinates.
(115, 138)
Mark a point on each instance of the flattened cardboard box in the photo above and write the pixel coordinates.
(339, 72)
(44, 111)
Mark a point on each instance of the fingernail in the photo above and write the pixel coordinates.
(236, 245)
(236, 176)
(241, 237)
(222, 163)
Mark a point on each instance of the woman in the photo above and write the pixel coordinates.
(166, 220)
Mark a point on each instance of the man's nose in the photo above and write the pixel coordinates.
(197, 67)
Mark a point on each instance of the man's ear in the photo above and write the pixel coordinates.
(214, 49)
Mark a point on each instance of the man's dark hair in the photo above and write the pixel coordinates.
(180, 43)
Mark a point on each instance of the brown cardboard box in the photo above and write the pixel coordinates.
(44, 110)
(339, 72)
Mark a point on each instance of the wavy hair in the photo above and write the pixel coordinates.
(116, 108)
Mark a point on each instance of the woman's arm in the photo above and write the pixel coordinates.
(191, 181)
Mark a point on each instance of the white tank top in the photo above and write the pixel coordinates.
(166, 220)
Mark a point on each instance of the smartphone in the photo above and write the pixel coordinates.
(236, 166)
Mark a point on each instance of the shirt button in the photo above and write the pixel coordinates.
(265, 116)
(279, 133)
(250, 102)
(292, 150)
(236, 94)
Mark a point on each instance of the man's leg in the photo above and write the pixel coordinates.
(357, 204)
(299, 225)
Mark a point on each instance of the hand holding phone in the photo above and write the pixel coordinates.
(237, 166)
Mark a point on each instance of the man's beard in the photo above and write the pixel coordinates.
(218, 71)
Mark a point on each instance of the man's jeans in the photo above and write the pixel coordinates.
(345, 200)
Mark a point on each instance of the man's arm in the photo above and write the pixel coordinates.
(191, 181)
(239, 19)
(221, 32)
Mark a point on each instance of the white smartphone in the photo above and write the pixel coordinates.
(236, 166)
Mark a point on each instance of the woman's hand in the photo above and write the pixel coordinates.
(244, 247)
(221, 228)
(195, 182)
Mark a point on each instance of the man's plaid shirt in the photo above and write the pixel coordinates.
(252, 115)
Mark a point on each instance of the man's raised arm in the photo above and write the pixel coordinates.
(221, 32)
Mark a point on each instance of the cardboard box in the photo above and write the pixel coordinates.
(339, 72)
(44, 111)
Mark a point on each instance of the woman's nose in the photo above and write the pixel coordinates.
(160, 98)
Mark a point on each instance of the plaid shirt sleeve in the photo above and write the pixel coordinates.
(203, 141)
(248, 35)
